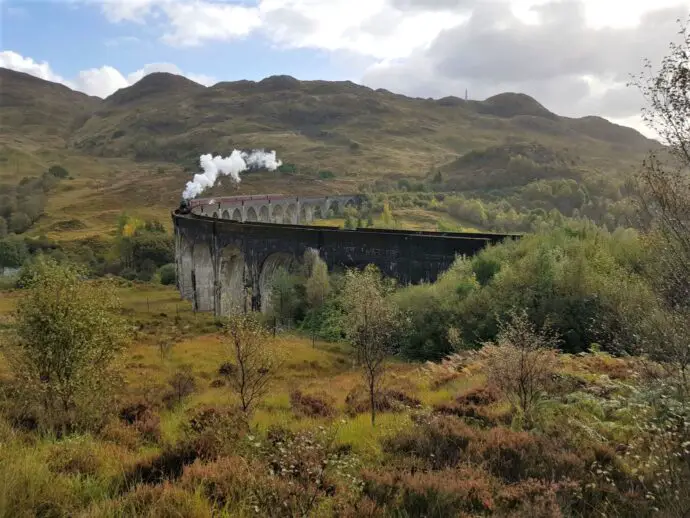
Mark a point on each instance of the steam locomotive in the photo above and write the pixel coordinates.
(185, 207)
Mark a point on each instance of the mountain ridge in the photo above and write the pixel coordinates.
(507, 105)
(340, 126)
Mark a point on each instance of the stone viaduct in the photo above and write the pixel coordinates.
(228, 250)
(274, 208)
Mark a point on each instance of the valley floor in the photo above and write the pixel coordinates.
(444, 443)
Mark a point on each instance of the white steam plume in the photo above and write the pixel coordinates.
(232, 166)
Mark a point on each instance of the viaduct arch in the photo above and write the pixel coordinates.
(226, 265)
(274, 208)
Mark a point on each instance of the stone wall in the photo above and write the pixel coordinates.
(227, 266)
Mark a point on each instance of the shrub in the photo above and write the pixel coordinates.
(310, 405)
(147, 270)
(521, 363)
(432, 495)
(160, 501)
(19, 222)
(358, 401)
(182, 383)
(120, 433)
(168, 274)
(473, 406)
(439, 442)
(228, 481)
(533, 498)
(227, 369)
(13, 252)
(211, 431)
(301, 466)
(485, 267)
(143, 419)
(74, 456)
(68, 338)
(515, 456)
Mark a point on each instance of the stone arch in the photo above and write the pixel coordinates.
(291, 214)
(232, 285)
(271, 265)
(317, 213)
(263, 214)
(215, 214)
(334, 208)
(226, 214)
(350, 203)
(237, 215)
(202, 277)
(305, 214)
(251, 214)
(277, 214)
(185, 268)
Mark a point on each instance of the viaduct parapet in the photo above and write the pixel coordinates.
(226, 265)
(274, 208)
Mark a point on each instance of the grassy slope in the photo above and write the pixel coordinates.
(86, 472)
(324, 369)
(360, 134)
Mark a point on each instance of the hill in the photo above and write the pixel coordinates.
(137, 147)
(46, 111)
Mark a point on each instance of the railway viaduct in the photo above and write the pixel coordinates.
(274, 208)
(227, 250)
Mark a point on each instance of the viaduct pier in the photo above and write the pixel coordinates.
(227, 250)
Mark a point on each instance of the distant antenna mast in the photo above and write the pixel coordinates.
(465, 93)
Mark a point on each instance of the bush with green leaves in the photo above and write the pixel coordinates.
(583, 280)
(168, 274)
(13, 252)
(68, 335)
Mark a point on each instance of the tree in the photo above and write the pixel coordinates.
(8, 205)
(257, 363)
(664, 179)
(182, 384)
(168, 274)
(58, 171)
(68, 336)
(665, 205)
(317, 287)
(283, 297)
(372, 324)
(33, 206)
(387, 215)
(521, 361)
(13, 252)
(147, 269)
(3, 227)
(19, 222)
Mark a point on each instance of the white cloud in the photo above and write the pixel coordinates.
(195, 23)
(100, 82)
(372, 28)
(574, 56)
(14, 61)
(129, 10)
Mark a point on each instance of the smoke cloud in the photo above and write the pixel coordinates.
(232, 166)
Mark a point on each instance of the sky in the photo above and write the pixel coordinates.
(574, 56)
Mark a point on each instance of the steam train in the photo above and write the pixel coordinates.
(186, 206)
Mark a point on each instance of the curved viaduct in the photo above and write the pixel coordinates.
(274, 208)
(226, 259)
